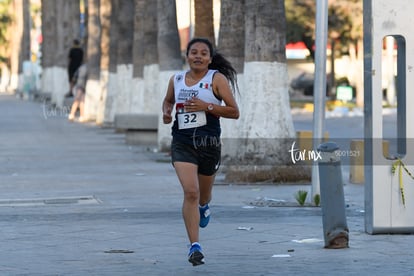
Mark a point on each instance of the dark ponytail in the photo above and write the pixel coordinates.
(218, 62)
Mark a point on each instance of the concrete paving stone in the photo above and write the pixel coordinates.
(139, 210)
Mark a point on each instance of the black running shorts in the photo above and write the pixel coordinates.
(207, 158)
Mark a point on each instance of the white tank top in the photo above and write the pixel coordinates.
(202, 90)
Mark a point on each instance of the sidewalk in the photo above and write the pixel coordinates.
(76, 200)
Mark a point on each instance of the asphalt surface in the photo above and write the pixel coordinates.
(77, 200)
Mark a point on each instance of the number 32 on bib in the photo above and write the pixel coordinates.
(191, 119)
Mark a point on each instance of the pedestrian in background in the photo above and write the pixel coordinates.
(198, 95)
(81, 76)
(75, 59)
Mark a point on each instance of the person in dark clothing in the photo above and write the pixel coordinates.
(75, 59)
(81, 77)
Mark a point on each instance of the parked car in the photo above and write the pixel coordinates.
(304, 83)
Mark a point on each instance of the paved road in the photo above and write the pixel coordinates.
(76, 200)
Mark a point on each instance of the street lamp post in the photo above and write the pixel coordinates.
(319, 84)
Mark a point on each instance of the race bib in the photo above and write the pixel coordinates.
(191, 119)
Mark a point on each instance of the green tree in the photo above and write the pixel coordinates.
(5, 20)
(344, 34)
(300, 23)
(344, 22)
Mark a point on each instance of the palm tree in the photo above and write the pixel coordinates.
(204, 26)
(231, 45)
(105, 20)
(109, 59)
(138, 57)
(109, 107)
(67, 29)
(48, 44)
(266, 124)
(93, 57)
(124, 55)
(5, 34)
(170, 60)
(232, 33)
(116, 61)
(61, 20)
(151, 67)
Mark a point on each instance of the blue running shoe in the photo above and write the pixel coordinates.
(204, 215)
(195, 256)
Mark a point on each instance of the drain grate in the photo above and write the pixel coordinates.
(50, 201)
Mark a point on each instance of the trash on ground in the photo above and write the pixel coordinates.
(248, 207)
(281, 256)
(269, 199)
(307, 241)
(245, 228)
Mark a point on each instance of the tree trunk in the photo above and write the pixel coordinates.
(170, 60)
(138, 51)
(48, 45)
(61, 25)
(112, 32)
(266, 124)
(265, 31)
(20, 44)
(93, 51)
(138, 59)
(204, 23)
(169, 54)
(231, 45)
(232, 33)
(124, 55)
(105, 19)
(151, 67)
